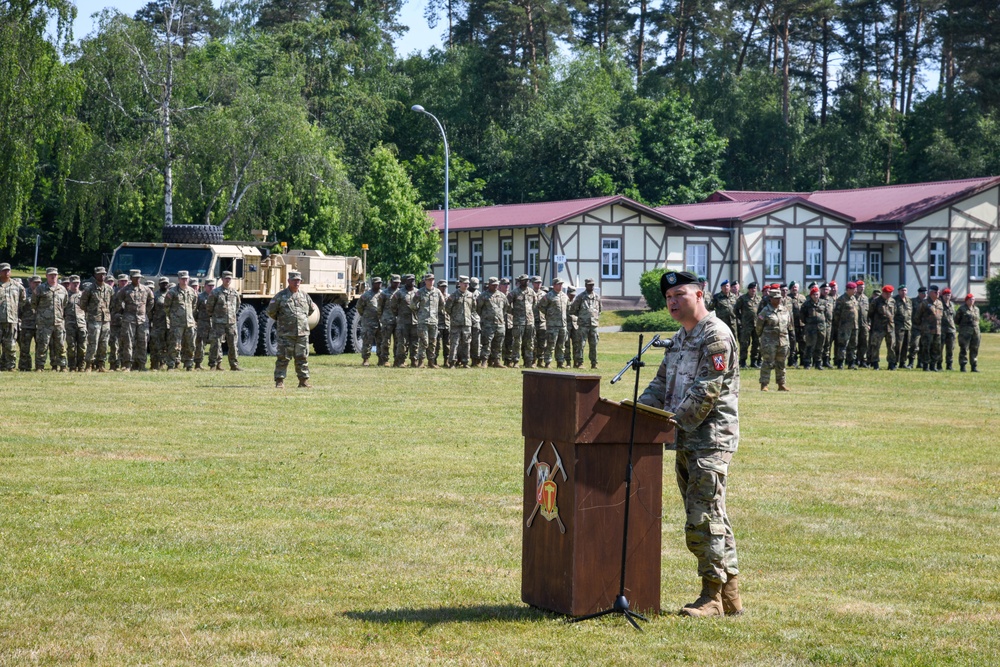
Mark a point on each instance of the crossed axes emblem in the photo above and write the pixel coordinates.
(545, 489)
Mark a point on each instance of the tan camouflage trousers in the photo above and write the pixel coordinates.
(50, 341)
(569, 349)
(930, 349)
(292, 347)
(875, 347)
(426, 338)
(114, 346)
(76, 346)
(385, 346)
(203, 337)
(812, 352)
(541, 341)
(224, 334)
(369, 338)
(181, 347)
(27, 338)
(158, 345)
(586, 333)
(773, 356)
(968, 347)
(442, 346)
(8, 347)
(523, 343)
(847, 345)
(132, 344)
(406, 342)
(98, 334)
(460, 339)
(556, 344)
(701, 478)
(492, 345)
(476, 344)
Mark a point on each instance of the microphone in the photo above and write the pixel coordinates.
(664, 343)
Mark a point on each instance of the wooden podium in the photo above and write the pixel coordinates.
(575, 455)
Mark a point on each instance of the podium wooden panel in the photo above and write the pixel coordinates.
(577, 572)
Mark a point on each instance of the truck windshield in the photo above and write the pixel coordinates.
(195, 261)
(146, 260)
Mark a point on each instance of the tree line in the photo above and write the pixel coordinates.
(294, 115)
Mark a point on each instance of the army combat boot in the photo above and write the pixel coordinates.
(709, 603)
(763, 386)
(731, 603)
(304, 383)
(782, 387)
(961, 367)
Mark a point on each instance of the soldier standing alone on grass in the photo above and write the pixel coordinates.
(290, 309)
(699, 381)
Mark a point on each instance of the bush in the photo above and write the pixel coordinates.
(989, 323)
(656, 320)
(993, 295)
(649, 284)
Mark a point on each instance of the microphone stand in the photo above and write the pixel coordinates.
(621, 605)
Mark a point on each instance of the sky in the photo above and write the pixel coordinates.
(418, 38)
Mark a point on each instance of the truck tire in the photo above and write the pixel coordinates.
(268, 346)
(247, 331)
(330, 335)
(192, 234)
(354, 342)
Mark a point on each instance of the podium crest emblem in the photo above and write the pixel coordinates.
(546, 489)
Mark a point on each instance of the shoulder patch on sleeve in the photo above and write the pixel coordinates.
(717, 347)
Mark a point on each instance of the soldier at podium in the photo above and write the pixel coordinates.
(699, 381)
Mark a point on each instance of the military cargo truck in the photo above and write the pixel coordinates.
(334, 283)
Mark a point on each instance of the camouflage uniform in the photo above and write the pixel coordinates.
(406, 324)
(137, 301)
(541, 333)
(492, 308)
(882, 315)
(476, 353)
(845, 317)
(203, 335)
(967, 321)
(830, 335)
(12, 298)
(181, 305)
(814, 326)
(115, 334)
(522, 305)
(96, 302)
(796, 342)
(158, 329)
(572, 326)
(460, 307)
(864, 327)
(587, 307)
(442, 346)
(699, 381)
(916, 333)
(26, 319)
(948, 333)
(426, 306)
(49, 303)
(369, 307)
(902, 323)
(746, 310)
(387, 324)
(774, 327)
(555, 304)
(291, 311)
(929, 317)
(223, 305)
(724, 307)
(76, 332)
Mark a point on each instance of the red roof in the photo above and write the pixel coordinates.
(539, 214)
(886, 204)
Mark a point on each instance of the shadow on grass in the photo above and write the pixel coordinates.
(434, 615)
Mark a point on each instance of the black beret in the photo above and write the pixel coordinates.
(674, 278)
(934, 288)
(752, 285)
(922, 289)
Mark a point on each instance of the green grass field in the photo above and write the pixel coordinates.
(206, 518)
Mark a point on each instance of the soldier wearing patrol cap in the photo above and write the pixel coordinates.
(572, 322)
(492, 307)
(49, 303)
(522, 304)
(223, 305)
(290, 309)
(12, 298)
(137, 301)
(967, 321)
(203, 320)
(699, 381)
(555, 304)
(26, 324)
(915, 331)
(460, 307)
(774, 326)
(368, 309)
(541, 335)
(158, 327)
(902, 325)
(117, 312)
(181, 305)
(406, 322)
(387, 321)
(443, 343)
(426, 306)
(703, 284)
(508, 332)
(587, 308)
(96, 303)
(476, 353)
(76, 327)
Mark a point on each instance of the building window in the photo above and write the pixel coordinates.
(611, 259)
(814, 259)
(939, 260)
(477, 259)
(507, 258)
(533, 257)
(977, 260)
(773, 258)
(856, 264)
(452, 259)
(874, 266)
(697, 259)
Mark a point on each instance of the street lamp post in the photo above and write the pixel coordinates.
(447, 259)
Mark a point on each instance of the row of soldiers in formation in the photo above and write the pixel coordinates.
(499, 326)
(924, 328)
(110, 325)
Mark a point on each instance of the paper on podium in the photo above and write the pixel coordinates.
(662, 415)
